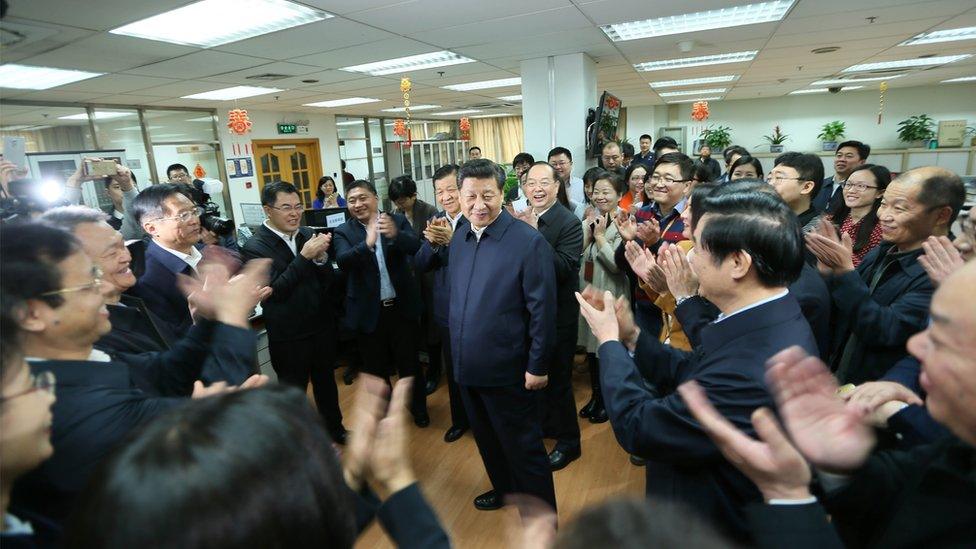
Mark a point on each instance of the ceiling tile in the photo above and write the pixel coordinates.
(199, 65)
(439, 14)
(365, 53)
(109, 53)
(100, 15)
(316, 37)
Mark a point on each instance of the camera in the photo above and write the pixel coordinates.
(834, 89)
(211, 220)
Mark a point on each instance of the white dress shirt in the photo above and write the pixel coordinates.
(192, 259)
(722, 317)
(288, 238)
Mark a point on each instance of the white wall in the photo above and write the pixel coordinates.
(264, 126)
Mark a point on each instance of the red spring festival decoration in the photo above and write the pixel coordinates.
(405, 87)
(699, 111)
(399, 128)
(465, 127)
(237, 122)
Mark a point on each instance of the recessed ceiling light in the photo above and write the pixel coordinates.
(236, 92)
(413, 108)
(694, 81)
(842, 81)
(99, 115)
(823, 90)
(749, 14)
(511, 97)
(960, 79)
(410, 63)
(692, 92)
(26, 77)
(903, 63)
(451, 113)
(715, 98)
(494, 115)
(948, 35)
(737, 57)
(194, 24)
(483, 85)
(343, 102)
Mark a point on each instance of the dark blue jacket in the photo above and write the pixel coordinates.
(435, 258)
(730, 365)
(362, 270)
(503, 303)
(157, 288)
(883, 320)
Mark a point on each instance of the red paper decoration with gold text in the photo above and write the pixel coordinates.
(238, 122)
(699, 111)
(465, 126)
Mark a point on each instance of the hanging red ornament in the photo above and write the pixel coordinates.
(199, 172)
(699, 111)
(238, 122)
(465, 127)
(882, 88)
(399, 128)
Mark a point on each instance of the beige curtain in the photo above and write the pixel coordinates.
(500, 138)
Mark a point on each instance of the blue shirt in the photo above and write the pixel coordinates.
(386, 285)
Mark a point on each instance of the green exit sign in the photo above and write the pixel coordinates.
(287, 128)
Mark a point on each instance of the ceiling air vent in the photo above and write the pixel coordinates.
(268, 76)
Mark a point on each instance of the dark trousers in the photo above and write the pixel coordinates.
(560, 421)
(506, 427)
(295, 362)
(459, 418)
(392, 348)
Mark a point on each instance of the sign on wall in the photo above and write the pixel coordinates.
(240, 167)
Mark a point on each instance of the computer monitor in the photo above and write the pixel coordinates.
(325, 220)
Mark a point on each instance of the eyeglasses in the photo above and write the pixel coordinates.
(860, 187)
(667, 180)
(184, 216)
(559, 164)
(288, 208)
(94, 286)
(538, 183)
(779, 177)
(44, 381)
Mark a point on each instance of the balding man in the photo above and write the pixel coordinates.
(879, 305)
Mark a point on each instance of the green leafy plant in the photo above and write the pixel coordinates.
(832, 131)
(916, 128)
(717, 137)
(777, 137)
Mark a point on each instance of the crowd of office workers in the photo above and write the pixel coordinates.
(791, 357)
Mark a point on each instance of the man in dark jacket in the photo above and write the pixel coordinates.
(503, 302)
(748, 252)
(564, 233)
(298, 314)
(886, 299)
(383, 305)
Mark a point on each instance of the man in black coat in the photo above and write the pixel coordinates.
(383, 302)
(564, 233)
(298, 314)
(749, 250)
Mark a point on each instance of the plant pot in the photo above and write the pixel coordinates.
(775, 148)
(829, 146)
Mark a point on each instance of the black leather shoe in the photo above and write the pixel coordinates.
(587, 410)
(349, 376)
(489, 501)
(454, 433)
(421, 420)
(559, 458)
(431, 386)
(638, 461)
(599, 414)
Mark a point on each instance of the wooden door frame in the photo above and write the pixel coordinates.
(316, 162)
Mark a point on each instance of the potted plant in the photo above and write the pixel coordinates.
(916, 130)
(830, 133)
(716, 137)
(776, 140)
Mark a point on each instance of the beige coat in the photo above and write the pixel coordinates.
(606, 275)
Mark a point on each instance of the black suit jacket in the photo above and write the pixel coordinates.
(406, 516)
(564, 232)
(730, 364)
(435, 259)
(299, 306)
(157, 288)
(359, 263)
(135, 329)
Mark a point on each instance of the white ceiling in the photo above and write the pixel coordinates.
(499, 34)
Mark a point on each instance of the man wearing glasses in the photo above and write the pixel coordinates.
(298, 315)
(172, 221)
(797, 179)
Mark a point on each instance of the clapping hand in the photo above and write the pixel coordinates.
(316, 247)
(835, 254)
(879, 400)
(602, 320)
(940, 259)
(645, 266)
(626, 226)
(680, 277)
(203, 391)
(10, 172)
(386, 225)
(372, 232)
(599, 227)
(439, 231)
(227, 300)
(649, 232)
(528, 216)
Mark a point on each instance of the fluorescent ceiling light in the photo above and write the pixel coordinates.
(413, 108)
(24, 127)
(201, 119)
(960, 79)
(823, 90)
(342, 102)
(485, 84)
(843, 81)
(99, 115)
(715, 98)
(948, 35)
(749, 14)
(137, 128)
(694, 81)
(494, 115)
(511, 97)
(350, 123)
(236, 92)
(214, 22)
(692, 92)
(26, 77)
(410, 63)
(737, 57)
(451, 113)
(903, 63)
